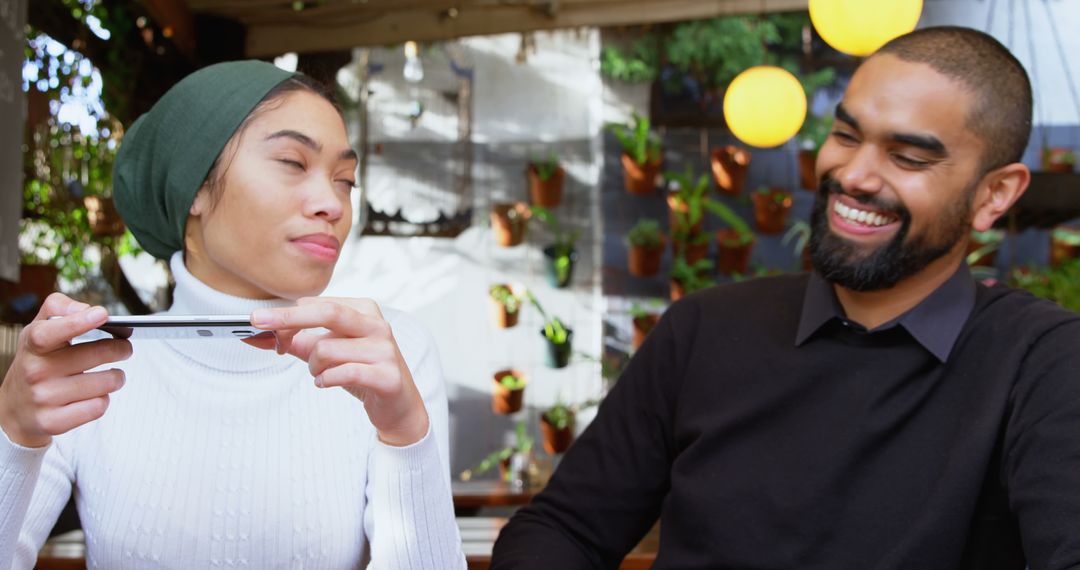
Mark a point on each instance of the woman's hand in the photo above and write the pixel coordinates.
(358, 354)
(47, 390)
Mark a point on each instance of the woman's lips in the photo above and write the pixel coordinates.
(321, 246)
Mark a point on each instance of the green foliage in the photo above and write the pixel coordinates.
(690, 193)
(546, 167)
(511, 382)
(814, 132)
(645, 233)
(554, 329)
(523, 443)
(651, 307)
(778, 196)
(733, 220)
(692, 277)
(799, 233)
(506, 297)
(564, 241)
(559, 415)
(1058, 284)
(638, 64)
(637, 140)
(1069, 236)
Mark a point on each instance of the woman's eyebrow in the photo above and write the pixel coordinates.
(296, 136)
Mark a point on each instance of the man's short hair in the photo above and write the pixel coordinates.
(1002, 113)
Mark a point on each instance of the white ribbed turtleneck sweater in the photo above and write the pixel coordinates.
(219, 455)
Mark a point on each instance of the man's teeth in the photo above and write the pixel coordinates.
(864, 217)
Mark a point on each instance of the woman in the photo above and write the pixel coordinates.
(201, 454)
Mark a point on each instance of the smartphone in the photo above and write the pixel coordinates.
(179, 327)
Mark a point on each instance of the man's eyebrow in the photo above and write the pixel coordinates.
(843, 115)
(928, 143)
(298, 137)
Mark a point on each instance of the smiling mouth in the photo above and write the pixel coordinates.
(866, 218)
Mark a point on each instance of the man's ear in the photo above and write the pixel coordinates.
(997, 192)
(201, 204)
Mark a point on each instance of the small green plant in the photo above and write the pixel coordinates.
(1059, 156)
(503, 295)
(814, 132)
(799, 234)
(1067, 235)
(778, 196)
(1059, 284)
(554, 329)
(690, 194)
(512, 382)
(692, 277)
(645, 233)
(545, 167)
(990, 241)
(523, 443)
(641, 311)
(559, 415)
(637, 140)
(563, 246)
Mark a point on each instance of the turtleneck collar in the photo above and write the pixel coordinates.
(193, 297)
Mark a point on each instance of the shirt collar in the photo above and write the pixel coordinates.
(935, 322)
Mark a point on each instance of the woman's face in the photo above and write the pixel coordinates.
(274, 225)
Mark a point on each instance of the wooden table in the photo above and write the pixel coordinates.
(478, 534)
(471, 496)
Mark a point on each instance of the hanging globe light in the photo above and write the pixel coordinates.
(858, 27)
(765, 106)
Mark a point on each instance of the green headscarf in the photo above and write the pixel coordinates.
(167, 153)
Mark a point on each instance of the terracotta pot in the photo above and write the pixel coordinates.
(556, 440)
(20, 302)
(558, 355)
(503, 400)
(546, 193)
(1062, 251)
(503, 318)
(677, 290)
(693, 251)
(1052, 160)
(731, 258)
(642, 326)
(674, 205)
(103, 217)
(729, 167)
(771, 210)
(807, 175)
(508, 222)
(640, 179)
(645, 261)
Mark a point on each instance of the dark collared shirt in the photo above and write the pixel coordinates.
(915, 445)
(935, 322)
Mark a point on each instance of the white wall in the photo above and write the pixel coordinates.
(12, 120)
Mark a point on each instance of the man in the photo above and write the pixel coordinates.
(882, 412)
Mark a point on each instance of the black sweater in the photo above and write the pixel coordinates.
(853, 450)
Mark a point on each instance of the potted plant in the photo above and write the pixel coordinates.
(560, 255)
(1058, 159)
(545, 181)
(508, 221)
(687, 278)
(646, 248)
(505, 304)
(642, 157)
(557, 336)
(734, 243)
(729, 167)
(982, 247)
(1064, 245)
(509, 391)
(686, 203)
(811, 138)
(514, 461)
(642, 322)
(557, 428)
(771, 206)
(799, 233)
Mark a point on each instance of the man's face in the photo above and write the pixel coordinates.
(898, 174)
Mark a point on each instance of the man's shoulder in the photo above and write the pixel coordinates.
(755, 294)
(1021, 317)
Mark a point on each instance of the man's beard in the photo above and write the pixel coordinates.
(846, 263)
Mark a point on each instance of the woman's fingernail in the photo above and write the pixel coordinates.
(319, 381)
(261, 317)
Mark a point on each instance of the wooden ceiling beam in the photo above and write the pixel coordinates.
(335, 33)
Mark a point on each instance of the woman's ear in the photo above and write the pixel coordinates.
(997, 192)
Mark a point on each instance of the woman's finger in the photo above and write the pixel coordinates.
(357, 377)
(85, 356)
(55, 421)
(363, 306)
(330, 352)
(339, 318)
(44, 336)
(60, 392)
